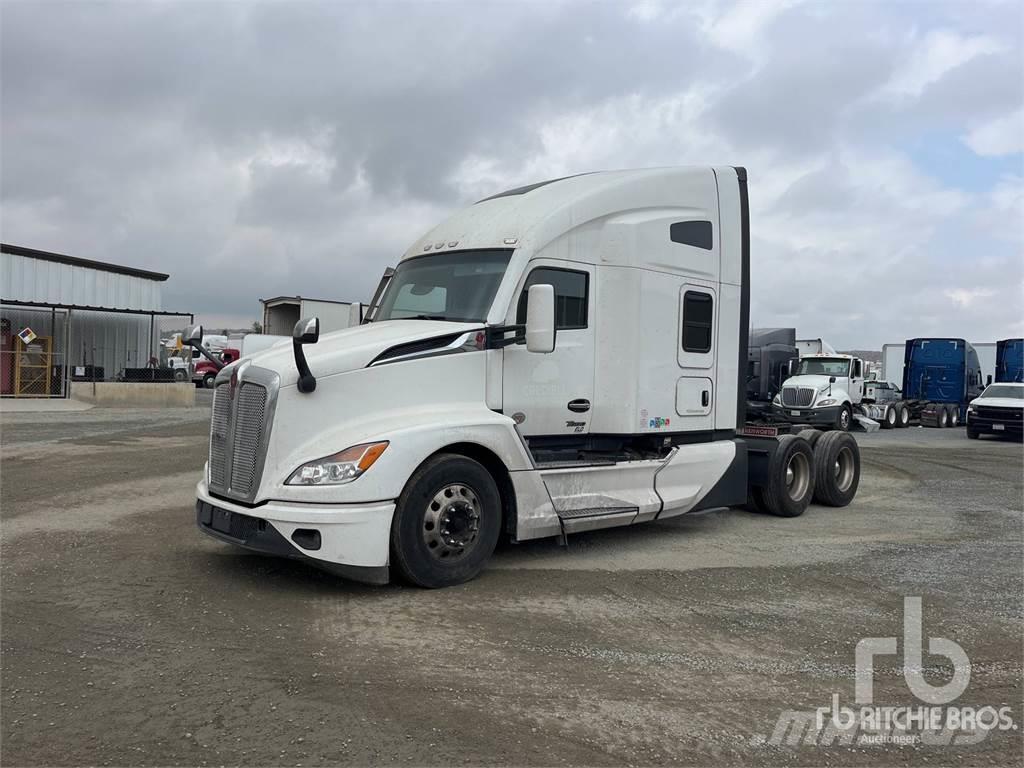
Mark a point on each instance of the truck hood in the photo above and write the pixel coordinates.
(813, 381)
(356, 347)
(999, 402)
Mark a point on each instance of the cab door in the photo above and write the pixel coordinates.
(552, 394)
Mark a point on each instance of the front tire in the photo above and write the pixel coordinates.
(844, 419)
(447, 522)
(972, 434)
(209, 380)
(179, 374)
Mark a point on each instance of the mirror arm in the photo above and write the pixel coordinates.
(205, 353)
(307, 381)
(496, 338)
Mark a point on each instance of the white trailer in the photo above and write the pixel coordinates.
(281, 313)
(557, 358)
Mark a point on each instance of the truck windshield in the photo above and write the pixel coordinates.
(1002, 390)
(823, 366)
(457, 286)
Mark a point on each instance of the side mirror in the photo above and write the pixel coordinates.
(831, 379)
(193, 334)
(540, 319)
(307, 331)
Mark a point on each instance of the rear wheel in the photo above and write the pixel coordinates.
(790, 478)
(954, 416)
(446, 522)
(890, 418)
(810, 435)
(942, 417)
(902, 416)
(836, 469)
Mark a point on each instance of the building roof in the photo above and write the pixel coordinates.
(74, 261)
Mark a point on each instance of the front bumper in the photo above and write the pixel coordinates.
(995, 426)
(349, 540)
(828, 415)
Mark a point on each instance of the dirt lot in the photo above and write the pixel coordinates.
(128, 638)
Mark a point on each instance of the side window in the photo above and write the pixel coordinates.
(570, 296)
(698, 313)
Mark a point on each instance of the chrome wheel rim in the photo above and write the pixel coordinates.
(843, 469)
(798, 476)
(451, 523)
(844, 419)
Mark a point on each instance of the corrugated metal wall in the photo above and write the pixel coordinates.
(26, 279)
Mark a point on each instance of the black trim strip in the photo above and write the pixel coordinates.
(741, 354)
(416, 347)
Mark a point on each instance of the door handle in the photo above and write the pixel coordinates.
(580, 405)
(705, 398)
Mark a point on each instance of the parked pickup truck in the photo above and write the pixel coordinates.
(999, 410)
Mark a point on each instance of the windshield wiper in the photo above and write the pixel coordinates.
(425, 317)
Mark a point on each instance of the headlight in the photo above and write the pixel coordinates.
(338, 468)
(777, 400)
(827, 401)
(971, 409)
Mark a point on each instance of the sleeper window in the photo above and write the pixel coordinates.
(698, 313)
(570, 296)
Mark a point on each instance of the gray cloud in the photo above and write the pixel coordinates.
(270, 148)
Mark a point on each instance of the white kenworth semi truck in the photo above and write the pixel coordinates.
(557, 358)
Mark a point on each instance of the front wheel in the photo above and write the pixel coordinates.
(446, 522)
(844, 419)
(972, 434)
(180, 374)
(208, 380)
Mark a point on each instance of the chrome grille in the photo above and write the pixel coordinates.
(243, 412)
(798, 397)
(248, 436)
(219, 437)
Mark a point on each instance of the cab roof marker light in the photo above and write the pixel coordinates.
(511, 240)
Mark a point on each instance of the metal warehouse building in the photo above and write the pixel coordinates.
(64, 318)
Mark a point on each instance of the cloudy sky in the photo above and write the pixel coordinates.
(252, 150)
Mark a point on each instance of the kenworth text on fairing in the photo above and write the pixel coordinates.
(557, 358)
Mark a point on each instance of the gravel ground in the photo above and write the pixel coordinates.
(128, 638)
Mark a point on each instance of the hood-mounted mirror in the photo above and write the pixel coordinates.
(193, 337)
(306, 331)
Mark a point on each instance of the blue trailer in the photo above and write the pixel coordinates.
(940, 377)
(1010, 360)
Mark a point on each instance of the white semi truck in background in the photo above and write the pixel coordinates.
(560, 357)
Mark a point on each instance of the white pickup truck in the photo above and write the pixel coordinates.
(560, 357)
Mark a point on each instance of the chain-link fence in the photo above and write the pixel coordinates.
(44, 350)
